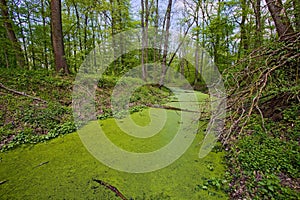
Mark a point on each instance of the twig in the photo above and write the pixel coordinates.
(43, 163)
(21, 93)
(110, 187)
(249, 86)
(2, 182)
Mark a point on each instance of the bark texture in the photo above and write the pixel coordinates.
(281, 20)
(57, 38)
(11, 34)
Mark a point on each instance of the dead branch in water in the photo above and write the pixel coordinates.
(110, 187)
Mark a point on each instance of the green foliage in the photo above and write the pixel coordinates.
(28, 135)
(269, 155)
(25, 120)
(270, 188)
(264, 159)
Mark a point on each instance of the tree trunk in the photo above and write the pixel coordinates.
(281, 20)
(243, 39)
(166, 44)
(144, 25)
(57, 37)
(23, 40)
(11, 34)
(156, 17)
(113, 32)
(85, 32)
(258, 29)
(45, 57)
(31, 38)
(196, 19)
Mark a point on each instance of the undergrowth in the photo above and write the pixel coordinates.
(265, 164)
(27, 120)
(262, 135)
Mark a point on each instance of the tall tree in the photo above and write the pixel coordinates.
(256, 4)
(243, 36)
(11, 34)
(281, 20)
(57, 37)
(144, 24)
(166, 43)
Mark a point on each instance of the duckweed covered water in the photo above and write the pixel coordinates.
(63, 169)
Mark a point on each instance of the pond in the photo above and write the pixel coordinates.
(64, 169)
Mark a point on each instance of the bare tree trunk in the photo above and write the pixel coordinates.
(258, 29)
(57, 37)
(166, 44)
(85, 32)
(144, 24)
(31, 38)
(243, 39)
(78, 28)
(11, 34)
(23, 39)
(44, 34)
(113, 32)
(281, 20)
(196, 19)
(121, 27)
(156, 17)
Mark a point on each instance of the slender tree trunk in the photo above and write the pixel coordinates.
(11, 34)
(280, 18)
(166, 44)
(113, 32)
(243, 39)
(78, 28)
(45, 57)
(85, 32)
(31, 38)
(144, 24)
(23, 39)
(258, 29)
(197, 44)
(57, 37)
(121, 27)
(203, 37)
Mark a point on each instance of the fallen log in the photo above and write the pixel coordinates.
(110, 187)
(21, 93)
(172, 108)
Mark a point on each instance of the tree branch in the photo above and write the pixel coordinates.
(22, 93)
(112, 188)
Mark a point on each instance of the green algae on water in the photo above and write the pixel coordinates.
(63, 169)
